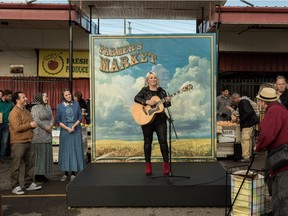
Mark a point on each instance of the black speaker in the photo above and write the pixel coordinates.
(237, 151)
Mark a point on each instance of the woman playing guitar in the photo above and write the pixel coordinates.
(148, 96)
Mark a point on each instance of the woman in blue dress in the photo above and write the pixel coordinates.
(69, 117)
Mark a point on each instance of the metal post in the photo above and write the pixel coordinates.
(90, 15)
(217, 38)
(70, 50)
(202, 9)
(125, 25)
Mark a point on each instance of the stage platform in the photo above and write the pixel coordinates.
(126, 185)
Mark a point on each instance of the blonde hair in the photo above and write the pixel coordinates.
(147, 76)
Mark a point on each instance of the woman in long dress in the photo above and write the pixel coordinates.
(42, 139)
(69, 117)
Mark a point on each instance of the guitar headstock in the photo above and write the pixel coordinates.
(187, 87)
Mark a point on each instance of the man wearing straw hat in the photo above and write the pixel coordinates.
(273, 134)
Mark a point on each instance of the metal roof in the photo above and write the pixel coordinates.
(242, 19)
(133, 9)
(42, 16)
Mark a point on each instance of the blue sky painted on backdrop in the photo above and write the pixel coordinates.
(180, 61)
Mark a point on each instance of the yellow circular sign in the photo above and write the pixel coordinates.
(53, 63)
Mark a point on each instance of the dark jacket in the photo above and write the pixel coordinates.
(247, 115)
(82, 104)
(284, 98)
(145, 94)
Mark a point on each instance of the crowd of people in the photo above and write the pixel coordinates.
(26, 134)
(30, 132)
(272, 138)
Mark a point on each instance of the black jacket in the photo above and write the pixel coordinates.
(247, 115)
(284, 98)
(145, 94)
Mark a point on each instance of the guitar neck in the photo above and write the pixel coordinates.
(171, 96)
(174, 94)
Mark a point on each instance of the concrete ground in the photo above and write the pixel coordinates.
(52, 199)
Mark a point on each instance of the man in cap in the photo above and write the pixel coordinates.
(273, 133)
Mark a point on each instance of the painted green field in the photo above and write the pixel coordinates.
(133, 150)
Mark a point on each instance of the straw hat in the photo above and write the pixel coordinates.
(268, 94)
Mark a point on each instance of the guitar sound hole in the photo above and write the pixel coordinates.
(144, 110)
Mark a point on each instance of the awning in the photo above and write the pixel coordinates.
(133, 9)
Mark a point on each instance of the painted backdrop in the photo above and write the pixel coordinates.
(119, 65)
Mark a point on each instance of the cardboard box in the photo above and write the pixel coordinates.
(229, 131)
(224, 149)
(225, 139)
(228, 134)
(55, 154)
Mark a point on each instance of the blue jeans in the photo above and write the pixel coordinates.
(4, 134)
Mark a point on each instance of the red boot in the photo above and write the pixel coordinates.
(148, 168)
(166, 168)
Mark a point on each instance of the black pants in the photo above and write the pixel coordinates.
(280, 194)
(160, 127)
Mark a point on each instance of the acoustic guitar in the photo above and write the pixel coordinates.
(144, 114)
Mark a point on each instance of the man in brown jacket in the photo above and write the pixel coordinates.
(21, 127)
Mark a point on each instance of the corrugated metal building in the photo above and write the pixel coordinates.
(252, 45)
(252, 41)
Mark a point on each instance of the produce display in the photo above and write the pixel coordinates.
(226, 123)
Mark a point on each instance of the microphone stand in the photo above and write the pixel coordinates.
(170, 176)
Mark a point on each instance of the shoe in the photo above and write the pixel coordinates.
(33, 187)
(17, 190)
(72, 177)
(41, 178)
(244, 160)
(148, 170)
(166, 168)
(38, 178)
(45, 179)
(64, 178)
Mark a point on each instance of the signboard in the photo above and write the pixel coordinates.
(119, 65)
(228, 133)
(55, 63)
